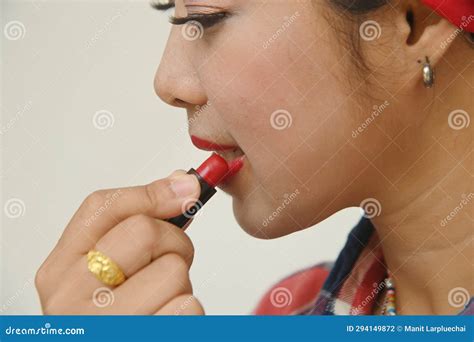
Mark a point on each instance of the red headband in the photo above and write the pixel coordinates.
(458, 12)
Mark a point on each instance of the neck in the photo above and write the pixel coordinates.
(426, 229)
(430, 255)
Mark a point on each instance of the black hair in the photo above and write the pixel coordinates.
(352, 13)
(359, 6)
(356, 8)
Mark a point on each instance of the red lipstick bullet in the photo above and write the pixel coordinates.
(209, 174)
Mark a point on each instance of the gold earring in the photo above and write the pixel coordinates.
(428, 73)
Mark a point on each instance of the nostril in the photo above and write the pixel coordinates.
(179, 103)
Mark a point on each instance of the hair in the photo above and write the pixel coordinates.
(354, 9)
(359, 6)
(347, 16)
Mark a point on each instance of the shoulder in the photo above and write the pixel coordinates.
(294, 293)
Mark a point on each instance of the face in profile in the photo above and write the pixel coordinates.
(324, 123)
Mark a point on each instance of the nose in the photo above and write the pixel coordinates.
(177, 80)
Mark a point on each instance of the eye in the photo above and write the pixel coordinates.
(205, 19)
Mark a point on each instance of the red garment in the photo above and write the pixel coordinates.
(458, 12)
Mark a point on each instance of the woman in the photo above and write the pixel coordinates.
(332, 103)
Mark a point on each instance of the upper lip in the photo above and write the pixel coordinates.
(207, 145)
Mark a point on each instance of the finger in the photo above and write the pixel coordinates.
(185, 304)
(132, 245)
(155, 285)
(104, 209)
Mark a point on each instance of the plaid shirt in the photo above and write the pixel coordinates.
(350, 286)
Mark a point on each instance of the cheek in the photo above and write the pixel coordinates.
(293, 118)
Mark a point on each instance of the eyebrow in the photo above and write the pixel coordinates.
(162, 5)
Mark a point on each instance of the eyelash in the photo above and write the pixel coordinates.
(206, 20)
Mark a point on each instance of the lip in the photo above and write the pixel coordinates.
(207, 145)
(233, 155)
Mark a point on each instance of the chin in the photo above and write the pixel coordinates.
(261, 223)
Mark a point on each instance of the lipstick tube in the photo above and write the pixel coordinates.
(211, 172)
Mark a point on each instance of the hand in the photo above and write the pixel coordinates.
(127, 226)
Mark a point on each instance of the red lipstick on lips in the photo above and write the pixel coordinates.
(234, 165)
(207, 145)
(210, 173)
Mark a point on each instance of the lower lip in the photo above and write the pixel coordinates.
(208, 145)
(234, 165)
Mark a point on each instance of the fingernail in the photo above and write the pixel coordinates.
(184, 185)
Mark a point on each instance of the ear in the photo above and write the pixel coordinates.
(425, 34)
(435, 41)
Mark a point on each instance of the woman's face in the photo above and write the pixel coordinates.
(277, 82)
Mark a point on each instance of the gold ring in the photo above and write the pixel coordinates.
(104, 268)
